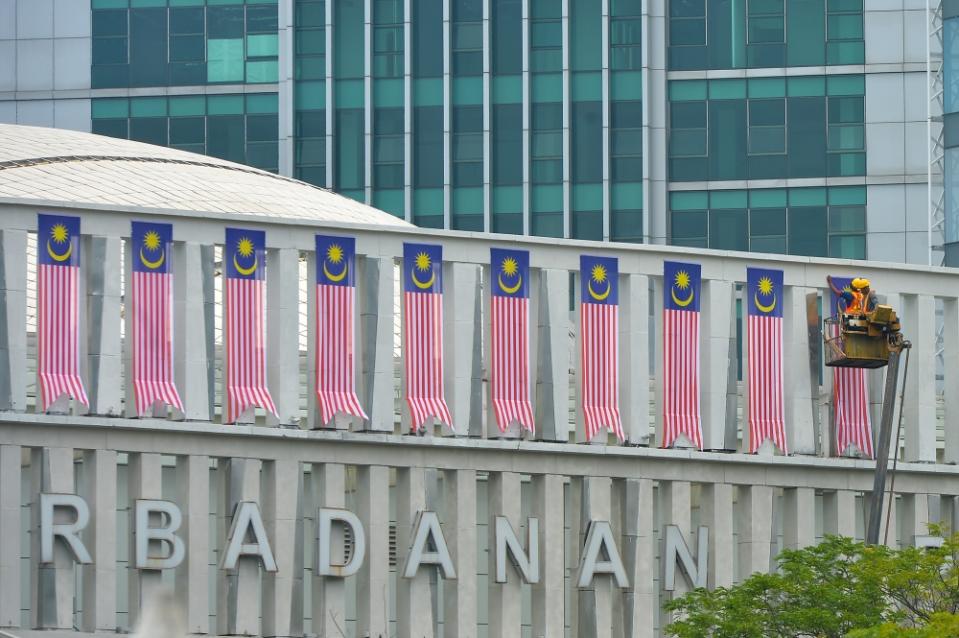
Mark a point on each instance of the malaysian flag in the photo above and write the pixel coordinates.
(244, 262)
(423, 333)
(58, 315)
(681, 414)
(850, 394)
(509, 338)
(335, 339)
(765, 357)
(151, 313)
(599, 340)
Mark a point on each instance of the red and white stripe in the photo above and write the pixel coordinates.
(423, 339)
(509, 362)
(245, 349)
(58, 334)
(599, 336)
(765, 374)
(851, 407)
(152, 308)
(335, 352)
(681, 377)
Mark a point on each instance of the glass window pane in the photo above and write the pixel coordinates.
(262, 19)
(187, 48)
(152, 130)
(587, 142)
(688, 224)
(349, 157)
(767, 221)
(507, 144)
(847, 246)
(225, 60)
(507, 36)
(727, 230)
(224, 22)
(686, 32)
(187, 20)
(844, 27)
(848, 219)
(226, 138)
(109, 50)
(261, 128)
(807, 231)
(427, 146)
(113, 22)
(767, 112)
(687, 8)
(148, 47)
(187, 130)
(767, 139)
(766, 29)
(261, 46)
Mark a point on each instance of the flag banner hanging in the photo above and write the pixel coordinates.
(58, 309)
(764, 361)
(335, 321)
(151, 313)
(423, 333)
(599, 343)
(244, 262)
(681, 293)
(850, 393)
(509, 338)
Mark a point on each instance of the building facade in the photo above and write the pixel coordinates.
(786, 126)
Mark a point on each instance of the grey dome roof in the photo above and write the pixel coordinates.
(69, 169)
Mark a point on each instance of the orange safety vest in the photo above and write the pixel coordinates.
(856, 307)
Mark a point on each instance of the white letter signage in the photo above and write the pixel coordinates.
(247, 523)
(324, 537)
(599, 541)
(164, 534)
(428, 527)
(50, 506)
(507, 543)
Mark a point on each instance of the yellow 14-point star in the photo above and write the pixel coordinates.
(244, 247)
(334, 253)
(59, 233)
(151, 240)
(598, 273)
(765, 286)
(510, 267)
(422, 261)
(682, 280)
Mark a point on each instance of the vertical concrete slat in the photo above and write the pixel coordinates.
(654, 82)
(375, 305)
(548, 506)
(754, 512)
(104, 357)
(238, 591)
(504, 598)
(658, 367)
(144, 480)
(797, 381)
(799, 517)
(675, 506)
(639, 557)
(283, 335)
(282, 509)
(193, 348)
(99, 583)
(950, 347)
(552, 380)
(718, 315)
(920, 408)
(634, 358)
(595, 603)
(716, 513)
(10, 478)
(287, 106)
(53, 586)
(463, 367)
(373, 510)
(839, 513)
(915, 518)
(192, 575)
(13, 320)
(414, 613)
(329, 594)
(460, 595)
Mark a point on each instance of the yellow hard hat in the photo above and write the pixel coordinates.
(860, 283)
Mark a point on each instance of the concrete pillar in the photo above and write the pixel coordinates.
(718, 316)
(53, 585)
(950, 345)
(104, 358)
(504, 598)
(286, 111)
(193, 496)
(10, 478)
(99, 583)
(839, 513)
(552, 357)
(919, 320)
(238, 591)
(414, 613)
(639, 556)
(329, 594)
(144, 481)
(283, 335)
(374, 294)
(460, 595)
(13, 320)
(915, 518)
(675, 506)
(655, 202)
(800, 388)
(754, 513)
(889, 527)
(548, 507)
(799, 517)
(193, 349)
(283, 589)
(463, 368)
(594, 603)
(716, 513)
(373, 510)
(634, 358)
(658, 367)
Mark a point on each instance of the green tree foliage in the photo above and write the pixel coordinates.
(835, 589)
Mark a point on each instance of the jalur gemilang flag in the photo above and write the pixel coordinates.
(151, 310)
(509, 338)
(423, 334)
(681, 410)
(850, 395)
(599, 343)
(764, 363)
(244, 262)
(335, 338)
(58, 314)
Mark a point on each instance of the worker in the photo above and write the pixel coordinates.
(855, 300)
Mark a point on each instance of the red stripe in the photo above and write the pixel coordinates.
(335, 352)
(423, 356)
(58, 344)
(152, 308)
(599, 325)
(245, 348)
(509, 362)
(765, 377)
(681, 377)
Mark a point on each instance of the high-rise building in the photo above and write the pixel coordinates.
(807, 127)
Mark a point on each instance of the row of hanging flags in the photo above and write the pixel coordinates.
(244, 259)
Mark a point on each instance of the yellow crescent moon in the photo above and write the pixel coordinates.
(592, 293)
(508, 289)
(57, 257)
(762, 308)
(333, 277)
(419, 284)
(152, 265)
(246, 272)
(682, 303)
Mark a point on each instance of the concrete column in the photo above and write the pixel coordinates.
(238, 591)
(193, 329)
(799, 517)
(950, 346)
(99, 583)
(889, 527)
(283, 335)
(144, 480)
(594, 603)
(675, 506)
(919, 319)
(375, 304)
(658, 407)
(655, 202)
(552, 357)
(329, 594)
(414, 613)
(53, 585)
(104, 358)
(798, 383)
(10, 478)
(286, 111)
(639, 556)
(460, 595)
(754, 513)
(915, 518)
(282, 508)
(715, 341)
(634, 358)
(839, 513)
(504, 598)
(193, 496)
(463, 368)
(373, 510)
(716, 513)
(548, 507)
(13, 320)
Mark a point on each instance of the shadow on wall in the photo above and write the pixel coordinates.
(161, 618)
